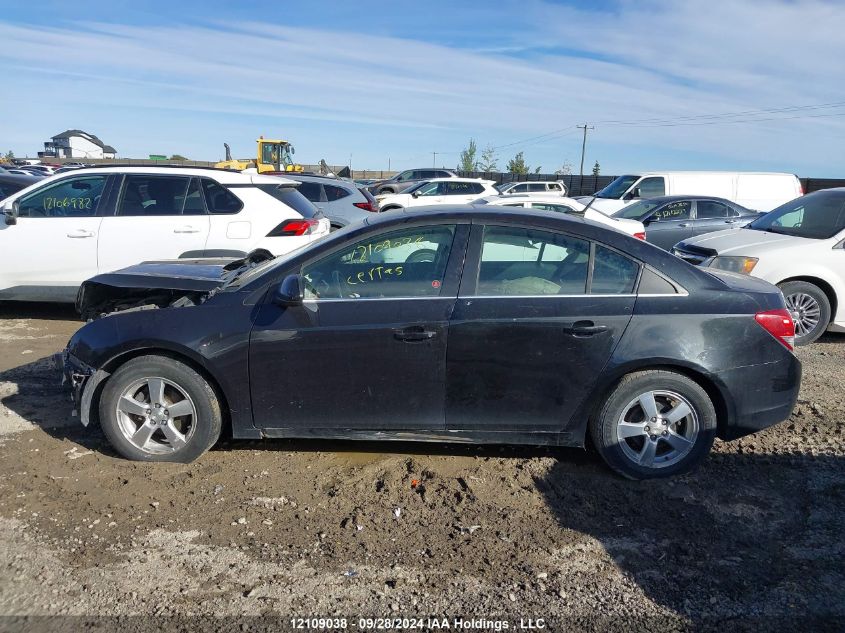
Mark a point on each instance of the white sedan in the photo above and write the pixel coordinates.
(567, 205)
(800, 247)
(438, 191)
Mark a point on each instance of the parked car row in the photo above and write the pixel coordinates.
(205, 286)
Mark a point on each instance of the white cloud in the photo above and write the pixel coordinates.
(646, 59)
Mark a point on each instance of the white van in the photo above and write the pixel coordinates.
(758, 191)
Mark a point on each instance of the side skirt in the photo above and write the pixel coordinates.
(453, 437)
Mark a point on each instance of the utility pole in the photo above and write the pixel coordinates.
(584, 127)
(434, 159)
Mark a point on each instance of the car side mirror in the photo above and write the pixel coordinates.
(12, 212)
(634, 193)
(289, 292)
(416, 194)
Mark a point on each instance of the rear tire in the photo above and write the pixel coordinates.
(157, 409)
(810, 309)
(654, 423)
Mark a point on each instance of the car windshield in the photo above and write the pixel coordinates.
(819, 215)
(638, 210)
(617, 188)
(246, 272)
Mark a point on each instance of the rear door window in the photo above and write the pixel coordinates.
(311, 190)
(613, 273)
(149, 195)
(536, 187)
(334, 193)
(525, 262)
(292, 198)
(708, 209)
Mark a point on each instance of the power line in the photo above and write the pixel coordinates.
(743, 113)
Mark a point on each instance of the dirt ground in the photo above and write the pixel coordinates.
(278, 529)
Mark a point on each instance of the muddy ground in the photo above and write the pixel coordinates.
(754, 538)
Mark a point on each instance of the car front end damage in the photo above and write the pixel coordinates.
(83, 382)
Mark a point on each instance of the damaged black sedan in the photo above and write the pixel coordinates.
(448, 325)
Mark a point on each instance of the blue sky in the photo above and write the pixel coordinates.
(713, 84)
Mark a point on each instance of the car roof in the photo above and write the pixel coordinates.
(321, 178)
(223, 176)
(550, 199)
(481, 180)
(531, 182)
(689, 197)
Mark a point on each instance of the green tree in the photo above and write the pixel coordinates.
(596, 169)
(468, 161)
(178, 157)
(488, 160)
(10, 155)
(538, 169)
(516, 165)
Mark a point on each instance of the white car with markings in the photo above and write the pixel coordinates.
(62, 230)
(634, 228)
(438, 191)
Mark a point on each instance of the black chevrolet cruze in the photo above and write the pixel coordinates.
(446, 325)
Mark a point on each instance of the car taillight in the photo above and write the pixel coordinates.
(640, 235)
(370, 205)
(779, 324)
(295, 227)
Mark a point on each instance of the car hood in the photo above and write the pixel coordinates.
(743, 241)
(200, 274)
(150, 285)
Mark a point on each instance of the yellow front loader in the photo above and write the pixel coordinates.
(274, 155)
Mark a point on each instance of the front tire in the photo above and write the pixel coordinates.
(810, 309)
(157, 409)
(654, 424)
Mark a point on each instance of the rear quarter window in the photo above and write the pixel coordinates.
(292, 198)
(218, 199)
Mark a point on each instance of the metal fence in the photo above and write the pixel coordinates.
(575, 185)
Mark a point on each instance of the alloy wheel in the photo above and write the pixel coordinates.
(806, 312)
(156, 415)
(657, 429)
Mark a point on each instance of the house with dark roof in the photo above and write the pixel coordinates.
(76, 144)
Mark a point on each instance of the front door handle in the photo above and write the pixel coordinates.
(414, 333)
(684, 225)
(186, 229)
(78, 233)
(585, 328)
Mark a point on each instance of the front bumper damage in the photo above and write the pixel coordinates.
(83, 382)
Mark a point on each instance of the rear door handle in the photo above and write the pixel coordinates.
(684, 225)
(78, 233)
(186, 229)
(585, 328)
(414, 333)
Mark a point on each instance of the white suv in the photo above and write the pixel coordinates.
(69, 227)
(533, 188)
(438, 191)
